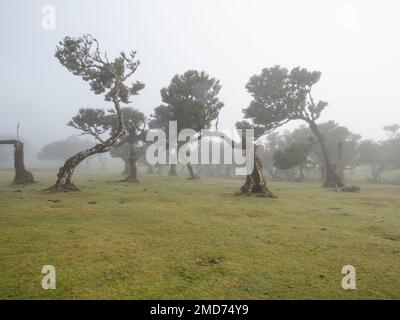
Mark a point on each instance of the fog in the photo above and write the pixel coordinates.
(353, 43)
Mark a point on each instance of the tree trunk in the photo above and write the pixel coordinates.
(132, 166)
(65, 173)
(22, 176)
(133, 177)
(172, 170)
(332, 178)
(191, 173)
(255, 182)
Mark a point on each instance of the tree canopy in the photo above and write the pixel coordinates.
(280, 95)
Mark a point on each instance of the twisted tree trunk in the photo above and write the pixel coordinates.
(255, 182)
(332, 177)
(22, 176)
(65, 173)
(133, 177)
(132, 167)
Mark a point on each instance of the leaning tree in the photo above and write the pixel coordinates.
(280, 96)
(338, 140)
(82, 56)
(96, 123)
(192, 100)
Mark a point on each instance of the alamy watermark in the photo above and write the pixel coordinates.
(48, 21)
(195, 148)
(49, 280)
(349, 280)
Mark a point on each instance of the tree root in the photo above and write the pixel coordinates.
(64, 188)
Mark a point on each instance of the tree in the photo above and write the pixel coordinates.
(192, 100)
(372, 153)
(340, 142)
(393, 131)
(295, 155)
(280, 96)
(96, 122)
(61, 150)
(130, 145)
(22, 176)
(383, 155)
(83, 58)
(271, 144)
(91, 121)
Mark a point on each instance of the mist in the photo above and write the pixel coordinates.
(353, 43)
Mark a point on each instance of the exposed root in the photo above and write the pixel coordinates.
(63, 188)
(266, 193)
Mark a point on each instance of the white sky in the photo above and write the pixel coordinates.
(355, 44)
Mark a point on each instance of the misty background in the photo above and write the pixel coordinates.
(353, 43)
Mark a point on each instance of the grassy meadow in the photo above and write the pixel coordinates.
(170, 238)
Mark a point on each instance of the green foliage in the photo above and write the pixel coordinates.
(295, 155)
(280, 95)
(82, 57)
(133, 141)
(191, 99)
(134, 122)
(333, 135)
(91, 122)
(96, 122)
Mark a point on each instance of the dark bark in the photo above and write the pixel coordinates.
(22, 176)
(331, 178)
(255, 182)
(133, 173)
(133, 176)
(192, 176)
(65, 173)
(172, 170)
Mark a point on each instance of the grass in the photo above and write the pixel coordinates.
(169, 238)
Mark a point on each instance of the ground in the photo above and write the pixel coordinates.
(170, 238)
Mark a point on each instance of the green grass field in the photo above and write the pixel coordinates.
(170, 238)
